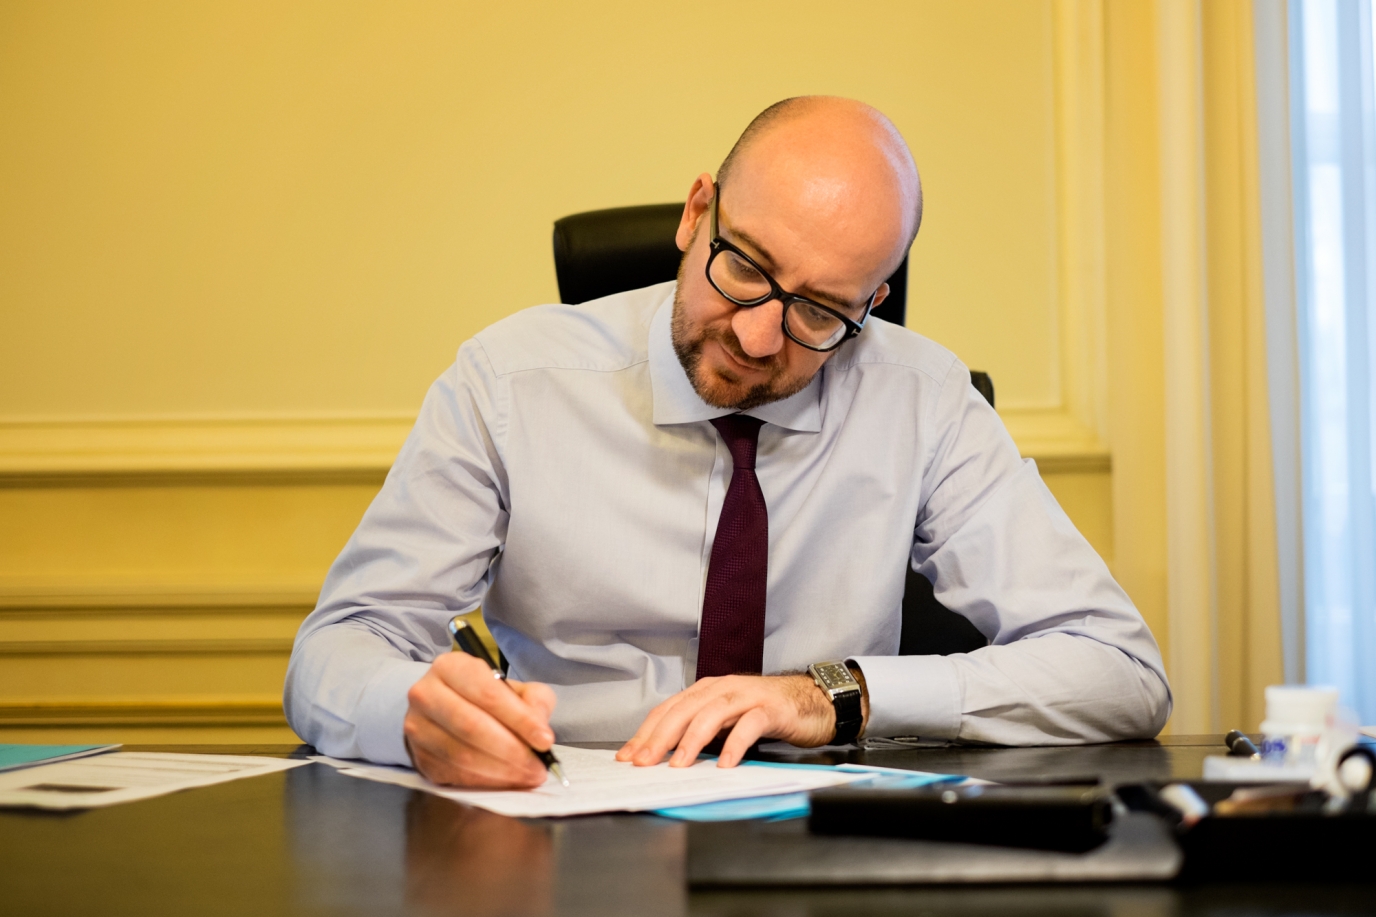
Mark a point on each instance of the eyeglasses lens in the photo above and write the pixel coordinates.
(812, 326)
(741, 282)
(738, 279)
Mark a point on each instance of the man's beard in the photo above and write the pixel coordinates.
(718, 392)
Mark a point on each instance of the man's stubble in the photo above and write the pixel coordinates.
(688, 342)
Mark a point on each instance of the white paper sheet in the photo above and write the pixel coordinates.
(600, 783)
(106, 780)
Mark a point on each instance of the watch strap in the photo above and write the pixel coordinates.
(848, 717)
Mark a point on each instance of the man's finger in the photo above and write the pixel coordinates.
(472, 680)
(751, 726)
(694, 693)
(469, 722)
(451, 728)
(444, 758)
(539, 696)
(711, 718)
(670, 732)
(647, 728)
(667, 731)
(471, 769)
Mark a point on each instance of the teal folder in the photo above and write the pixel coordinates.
(13, 757)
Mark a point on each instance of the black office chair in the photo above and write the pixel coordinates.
(608, 251)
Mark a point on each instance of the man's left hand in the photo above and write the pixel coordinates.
(787, 707)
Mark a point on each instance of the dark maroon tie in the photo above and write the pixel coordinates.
(731, 636)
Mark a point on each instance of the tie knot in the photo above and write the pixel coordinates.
(741, 435)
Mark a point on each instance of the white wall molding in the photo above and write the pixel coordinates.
(96, 452)
(245, 710)
(1071, 436)
(1057, 440)
(58, 594)
(1080, 190)
(97, 448)
(162, 645)
(224, 646)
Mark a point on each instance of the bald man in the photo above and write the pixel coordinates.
(687, 512)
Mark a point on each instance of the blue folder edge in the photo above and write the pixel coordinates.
(14, 757)
(796, 805)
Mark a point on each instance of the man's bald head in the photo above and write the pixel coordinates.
(848, 143)
(821, 197)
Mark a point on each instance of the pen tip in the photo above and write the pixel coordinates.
(559, 772)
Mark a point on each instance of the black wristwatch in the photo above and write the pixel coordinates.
(840, 685)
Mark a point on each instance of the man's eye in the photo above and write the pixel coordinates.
(814, 317)
(743, 271)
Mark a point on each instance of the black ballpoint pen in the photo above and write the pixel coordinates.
(466, 640)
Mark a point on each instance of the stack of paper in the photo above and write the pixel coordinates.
(126, 776)
(600, 783)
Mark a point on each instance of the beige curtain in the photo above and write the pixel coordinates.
(1194, 519)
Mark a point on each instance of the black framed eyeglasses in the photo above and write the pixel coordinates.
(735, 275)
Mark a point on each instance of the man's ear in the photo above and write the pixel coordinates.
(699, 196)
(881, 295)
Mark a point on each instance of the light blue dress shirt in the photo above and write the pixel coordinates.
(563, 475)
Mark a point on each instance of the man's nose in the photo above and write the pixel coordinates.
(760, 329)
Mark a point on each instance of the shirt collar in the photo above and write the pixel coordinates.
(675, 401)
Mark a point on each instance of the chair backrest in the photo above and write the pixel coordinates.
(607, 251)
(602, 252)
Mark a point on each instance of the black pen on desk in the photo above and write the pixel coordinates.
(1239, 745)
(466, 640)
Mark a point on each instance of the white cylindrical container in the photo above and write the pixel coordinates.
(1297, 716)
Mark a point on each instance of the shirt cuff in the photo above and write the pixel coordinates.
(381, 710)
(911, 696)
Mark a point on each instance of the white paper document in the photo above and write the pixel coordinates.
(600, 783)
(106, 780)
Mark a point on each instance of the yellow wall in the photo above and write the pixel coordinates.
(305, 207)
(237, 241)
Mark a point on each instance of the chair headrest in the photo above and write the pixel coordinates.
(602, 252)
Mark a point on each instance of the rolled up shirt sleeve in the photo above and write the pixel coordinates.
(1069, 658)
(422, 553)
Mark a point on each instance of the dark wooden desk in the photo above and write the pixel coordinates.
(310, 841)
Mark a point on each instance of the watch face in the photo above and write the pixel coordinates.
(834, 676)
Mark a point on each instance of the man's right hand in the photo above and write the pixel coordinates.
(464, 727)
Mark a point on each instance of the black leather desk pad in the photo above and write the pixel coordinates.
(1140, 848)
